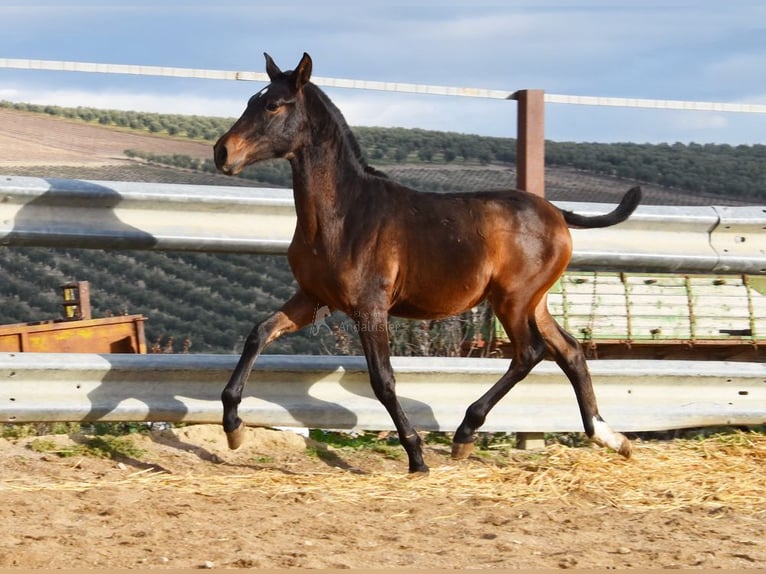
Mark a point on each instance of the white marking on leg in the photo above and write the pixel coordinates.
(605, 436)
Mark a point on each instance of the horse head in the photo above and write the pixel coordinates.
(273, 123)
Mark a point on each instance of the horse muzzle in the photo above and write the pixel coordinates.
(223, 158)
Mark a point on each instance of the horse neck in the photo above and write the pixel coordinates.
(327, 178)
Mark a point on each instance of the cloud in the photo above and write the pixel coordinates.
(698, 121)
(739, 71)
(441, 113)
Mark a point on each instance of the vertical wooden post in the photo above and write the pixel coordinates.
(530, 144)
(530, 176)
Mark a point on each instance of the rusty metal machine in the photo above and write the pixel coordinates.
(77, 331)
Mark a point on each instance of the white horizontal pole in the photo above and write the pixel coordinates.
(401, 87)
(206, 74)
(126, 215)
(129, 69)
(334, 392)
(684, 105)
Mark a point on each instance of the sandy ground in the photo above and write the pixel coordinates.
(183, 500)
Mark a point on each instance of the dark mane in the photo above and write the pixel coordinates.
(344, 129)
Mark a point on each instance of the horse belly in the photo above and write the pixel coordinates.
(441, 296)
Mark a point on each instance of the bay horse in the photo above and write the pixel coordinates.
(369, 247)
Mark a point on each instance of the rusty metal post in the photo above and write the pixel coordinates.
(530, 176)
(530, 145)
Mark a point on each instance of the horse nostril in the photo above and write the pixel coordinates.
(220, 155)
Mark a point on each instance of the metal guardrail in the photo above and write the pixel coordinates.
(677, 239)
(334, 392)
(126, 215)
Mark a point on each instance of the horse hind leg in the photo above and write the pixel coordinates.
(528, 350)
(568, 354)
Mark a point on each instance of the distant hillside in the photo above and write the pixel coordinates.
(731, 173)
(214, 299)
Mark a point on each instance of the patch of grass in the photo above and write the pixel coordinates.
(389, 442)
(699, 433)
(354, 440)
(392, 452)
(116, 429)
(99, 446)
(263, 459)
(48, 446)
(113, 447)
(22, 430)
(437, 438)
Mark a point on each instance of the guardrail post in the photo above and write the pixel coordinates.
(530, 144)
(530, 440)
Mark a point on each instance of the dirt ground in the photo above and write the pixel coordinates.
(180, 499)
(41, 140)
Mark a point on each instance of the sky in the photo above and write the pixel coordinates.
(699, 50)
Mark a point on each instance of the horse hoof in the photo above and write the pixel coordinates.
(619, 444)
(419, 473)
(461, 450)
(236, 437)
(626, 448)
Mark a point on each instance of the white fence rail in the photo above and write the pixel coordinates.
(402, 87)
(126, 215)
(334, 392)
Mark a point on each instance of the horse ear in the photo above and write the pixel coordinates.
(271, 68)
(303, 71)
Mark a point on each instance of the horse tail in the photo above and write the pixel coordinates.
(627, 205)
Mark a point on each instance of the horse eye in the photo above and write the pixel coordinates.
(272, 107)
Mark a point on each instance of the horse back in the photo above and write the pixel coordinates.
(451, 249)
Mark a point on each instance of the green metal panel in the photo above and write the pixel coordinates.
(657, 307)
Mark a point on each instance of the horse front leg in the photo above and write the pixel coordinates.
(297, 312)
(373, 332)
